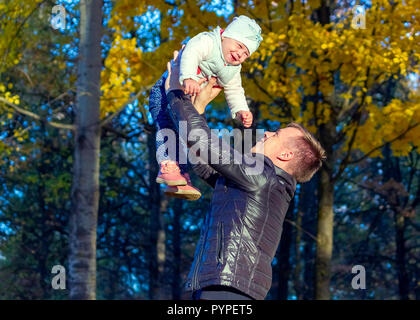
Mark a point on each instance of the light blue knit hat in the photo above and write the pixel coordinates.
(245, 30)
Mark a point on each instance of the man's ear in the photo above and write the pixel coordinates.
(285, 155)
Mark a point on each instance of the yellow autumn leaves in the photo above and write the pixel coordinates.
(319, 70)
(13, 14)
(398, 123)
(314, 71)
(7, 94)
(121, 75)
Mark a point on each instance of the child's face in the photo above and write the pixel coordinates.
(234, 52)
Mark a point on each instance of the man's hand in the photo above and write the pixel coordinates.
(172, 81)
(207, 94)
(245, 117)
(191, 87)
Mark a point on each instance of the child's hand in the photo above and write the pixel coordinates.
(191, 87)
(246, 118)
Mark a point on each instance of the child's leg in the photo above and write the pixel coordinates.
(187, 192)
(166, 155)
(173, 172)
(161, 119)
(164, 119)
(182, 149)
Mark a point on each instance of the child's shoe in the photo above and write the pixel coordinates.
(187, 192)
(170, 174)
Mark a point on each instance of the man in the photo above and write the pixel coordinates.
(241, 231)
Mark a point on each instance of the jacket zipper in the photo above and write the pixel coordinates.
(195, 277)
(220, 242)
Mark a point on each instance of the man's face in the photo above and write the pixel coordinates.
(273, 143)
(234, 52)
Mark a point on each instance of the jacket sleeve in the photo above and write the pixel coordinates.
(196, 50)
(235, 95)
(247, 172)
(204, 171)
(207, 173)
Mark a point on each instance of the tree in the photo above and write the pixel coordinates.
(85, 189)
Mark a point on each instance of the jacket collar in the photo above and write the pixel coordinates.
(286, 177)
(281, 173)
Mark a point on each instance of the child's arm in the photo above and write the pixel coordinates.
(196, 50)
(235, 97)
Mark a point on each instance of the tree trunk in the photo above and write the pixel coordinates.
(284, 269)
(298, 241)
(326, 193)
(176, 275)
(323, 13)
(85, 188)
(403, 278)
(309, 271)
(308, 205)
(324, 242)
(157, 237)
(417, 285)
(392, 171)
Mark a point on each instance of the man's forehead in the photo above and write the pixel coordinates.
(290, 131)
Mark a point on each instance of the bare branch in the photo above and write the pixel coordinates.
(116, 132)
(37, 117)
(300, 228)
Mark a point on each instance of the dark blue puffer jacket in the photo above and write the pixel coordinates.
(241, 232)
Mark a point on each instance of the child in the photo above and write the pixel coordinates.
(219, 54)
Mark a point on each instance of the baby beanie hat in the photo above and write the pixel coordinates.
(245, 30)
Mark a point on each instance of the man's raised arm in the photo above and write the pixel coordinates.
(226, 161)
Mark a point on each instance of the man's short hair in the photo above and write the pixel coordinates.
(309, 154)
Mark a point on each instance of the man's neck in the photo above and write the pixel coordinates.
(278, 163)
